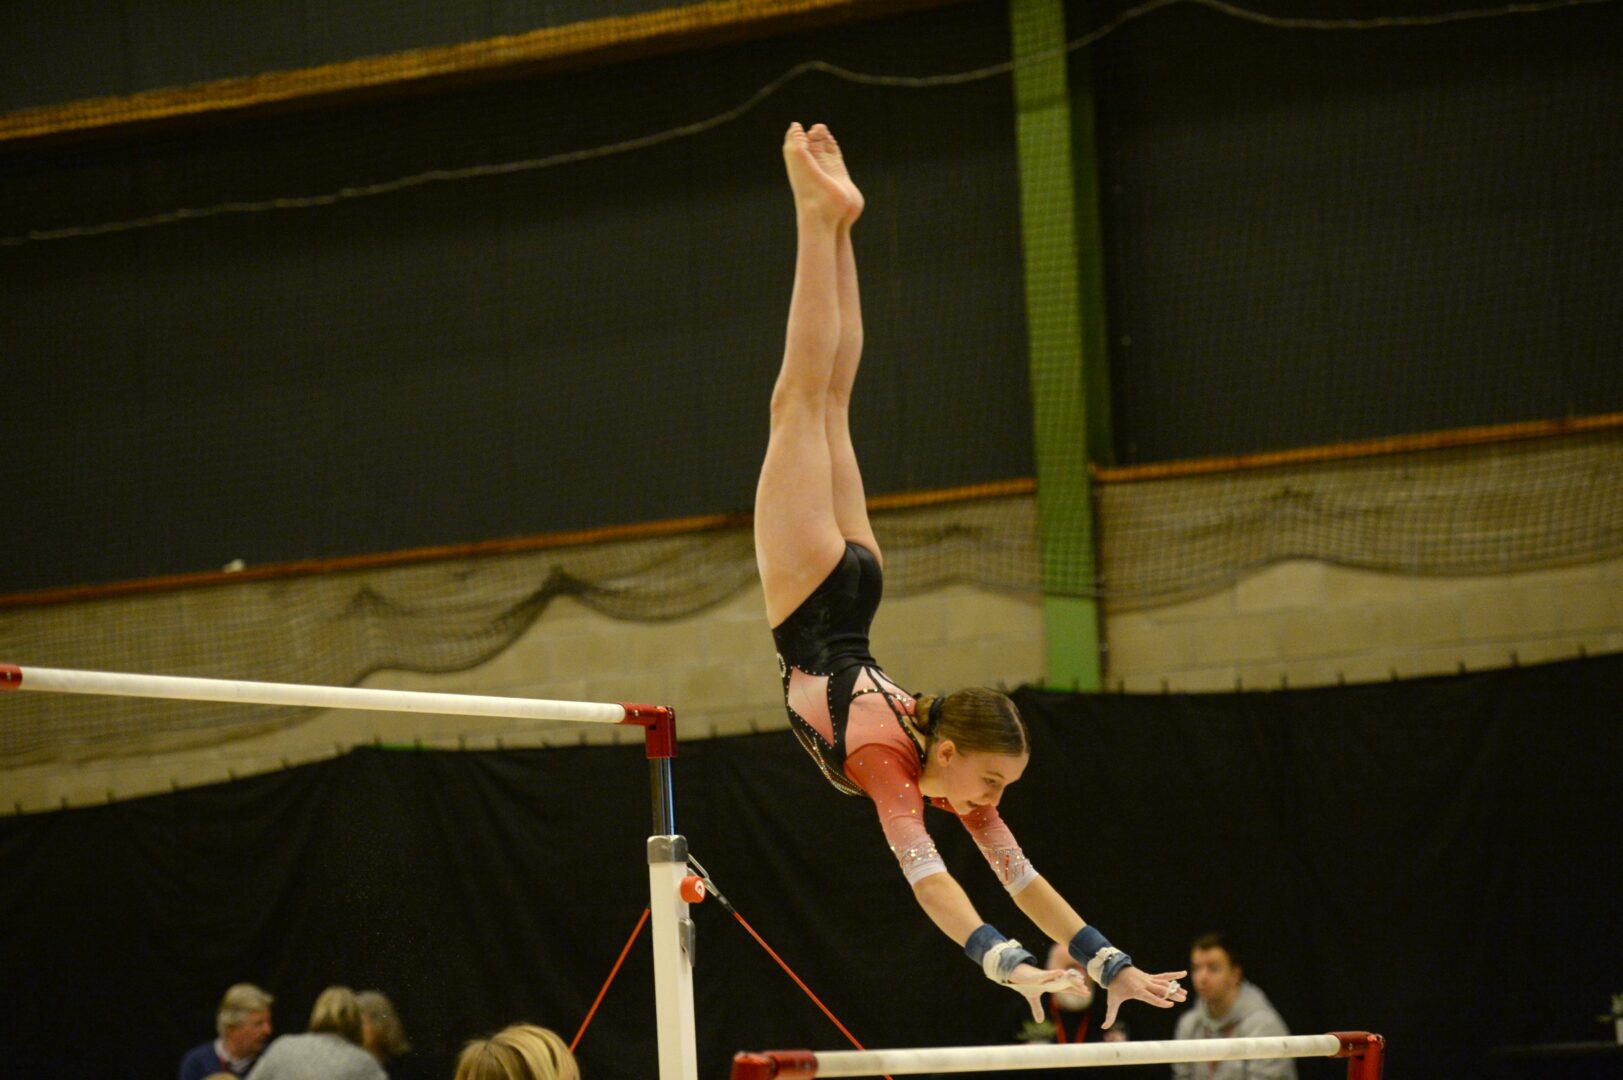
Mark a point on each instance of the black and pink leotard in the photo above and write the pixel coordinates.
(857, 724)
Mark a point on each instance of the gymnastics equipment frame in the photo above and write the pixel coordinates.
(673, 930)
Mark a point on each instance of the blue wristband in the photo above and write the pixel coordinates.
(984, 937)
(1089, 943)
(983, 941)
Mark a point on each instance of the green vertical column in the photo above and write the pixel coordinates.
(1059, 206)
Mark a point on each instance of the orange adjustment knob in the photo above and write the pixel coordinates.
(693, 889)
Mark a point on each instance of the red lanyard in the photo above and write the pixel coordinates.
(1059, 1024)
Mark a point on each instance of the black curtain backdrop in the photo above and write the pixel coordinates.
(1434, 860)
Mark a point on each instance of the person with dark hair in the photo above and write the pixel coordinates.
(330, 1048)
(244, 1024)
(1229, 1007)
(821, 572)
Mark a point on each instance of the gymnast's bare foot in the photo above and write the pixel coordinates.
(818, 176)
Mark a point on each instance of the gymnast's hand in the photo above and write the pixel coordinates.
(1032, 983)
(1161, 990)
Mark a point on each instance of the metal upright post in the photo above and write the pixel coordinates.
(672, 929)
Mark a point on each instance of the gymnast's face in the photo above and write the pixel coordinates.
(969, 781)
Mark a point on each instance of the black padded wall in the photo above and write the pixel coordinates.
(1317, 235)
(60, 52)
(587, 344)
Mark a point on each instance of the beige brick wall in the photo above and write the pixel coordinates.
(1296, 624)
(718, 669)
(1307, 623)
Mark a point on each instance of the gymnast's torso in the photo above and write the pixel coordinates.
(858, 725)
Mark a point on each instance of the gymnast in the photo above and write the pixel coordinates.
(821, 574)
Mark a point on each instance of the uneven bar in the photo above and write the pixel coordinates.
(780, 1065)
(118, 684)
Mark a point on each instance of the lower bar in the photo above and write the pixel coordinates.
(775, 1065)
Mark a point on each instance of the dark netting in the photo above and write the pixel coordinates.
(534, 334)
(1319, 234)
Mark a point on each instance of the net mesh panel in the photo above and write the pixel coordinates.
(1481, 510)
(334, 629)
(456, 360)
(1320, 234)
(1474, 511)
(584, 341)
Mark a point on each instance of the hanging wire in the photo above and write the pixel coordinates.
(822, 67)
(716, 893)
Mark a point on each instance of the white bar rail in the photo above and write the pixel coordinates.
(1366, 1049)
(986, 1058)
(117, 684)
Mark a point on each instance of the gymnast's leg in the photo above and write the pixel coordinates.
(850, 501)
(805, 496)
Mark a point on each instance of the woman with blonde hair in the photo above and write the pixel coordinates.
(518, 1052)
(330, 1049)
(821, 573)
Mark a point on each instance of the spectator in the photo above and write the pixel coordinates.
(518, 1052)
(1229, 1007)
(382, 1034)
(330, 1050)
(244, 1025)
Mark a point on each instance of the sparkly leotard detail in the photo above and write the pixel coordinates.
(858, 727)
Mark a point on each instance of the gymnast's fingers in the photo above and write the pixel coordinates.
(1163, 991)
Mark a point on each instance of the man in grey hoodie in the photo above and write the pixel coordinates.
(1229, 1007)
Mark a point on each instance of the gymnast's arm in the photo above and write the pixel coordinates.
(879, 770)
(948, 906)
(1044, 906)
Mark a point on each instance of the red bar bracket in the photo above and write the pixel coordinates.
(1366, 1053)
(752, 1067)
(775, 1065)
(11, 677)
(659, 727)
